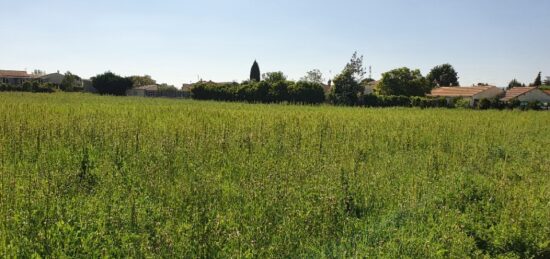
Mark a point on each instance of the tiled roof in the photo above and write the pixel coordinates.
(14, 73)
(459, 91)
(516, 92)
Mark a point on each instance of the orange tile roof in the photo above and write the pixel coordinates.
(516, 92)
(14, 73)
(459, 91)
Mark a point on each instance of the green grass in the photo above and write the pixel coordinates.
(91, 176)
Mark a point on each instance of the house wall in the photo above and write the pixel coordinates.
(369, 89)
(534, 95)
(53, 78)
(489, 93)
(135, 92)
(13, 81)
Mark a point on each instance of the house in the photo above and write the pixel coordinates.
(526, 95)
(155, 91)
(369, 87)
(57, 79)
(473, 94)
(143, 91)
(14, 77)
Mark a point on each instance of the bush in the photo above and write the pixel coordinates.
(461, 103)
(265, 92)
(484, 104)
(306, 92)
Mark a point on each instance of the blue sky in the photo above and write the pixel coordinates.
(176, 42)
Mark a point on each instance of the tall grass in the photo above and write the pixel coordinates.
(90, 176)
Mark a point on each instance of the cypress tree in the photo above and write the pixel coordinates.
(538, 81)
(255, 72)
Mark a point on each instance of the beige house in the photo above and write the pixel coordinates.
(143, 91)
(14, 77)
(369, 87)
(526, 94)
(473, 94)
(156, 91)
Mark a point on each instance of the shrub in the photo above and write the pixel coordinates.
(484, 104)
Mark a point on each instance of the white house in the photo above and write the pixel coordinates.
(526, 94)
(14, 77)
(473, 93)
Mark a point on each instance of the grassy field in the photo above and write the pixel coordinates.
(90, 176)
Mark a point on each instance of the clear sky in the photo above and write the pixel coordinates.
(176, 42)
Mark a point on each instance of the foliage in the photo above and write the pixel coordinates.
(538, 80)
(142, 80)
(443, 75)
(111, 84)
(514, 83)
(306, 92)
(91, 176)
(403, 81)
(346, 89)
(314, 76)
(274, 89)
(255, 72)
(71, 83)
(29, 86)
(355, 66)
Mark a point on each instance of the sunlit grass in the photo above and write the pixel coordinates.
(90, 176)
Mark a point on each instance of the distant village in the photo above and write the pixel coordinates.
(145, 86)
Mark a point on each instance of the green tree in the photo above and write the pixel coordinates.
(278, 86)
(346, 86)
(272, 77)
(443, 75)
(538, 80)
(403, 81)
(313, 76)
(255, 72)
(112, 84)
(355, 65)
(514, 83)
(70, 82)
(346, 89)
(138, 81)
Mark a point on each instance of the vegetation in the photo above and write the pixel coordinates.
(275, 88)
(346, 90)
(71, 83)
(347, 87)
(29, 86)
(538, 80)
(99, 176)
(138, 81)
(111, 84)
(443, 75)
(403, 81)
(514, 83)
(255, 72)
(314, 76)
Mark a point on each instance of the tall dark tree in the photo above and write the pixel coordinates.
(514, 83)
(538, 80)
(109, 83)
(255, 72)
(443, 75)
